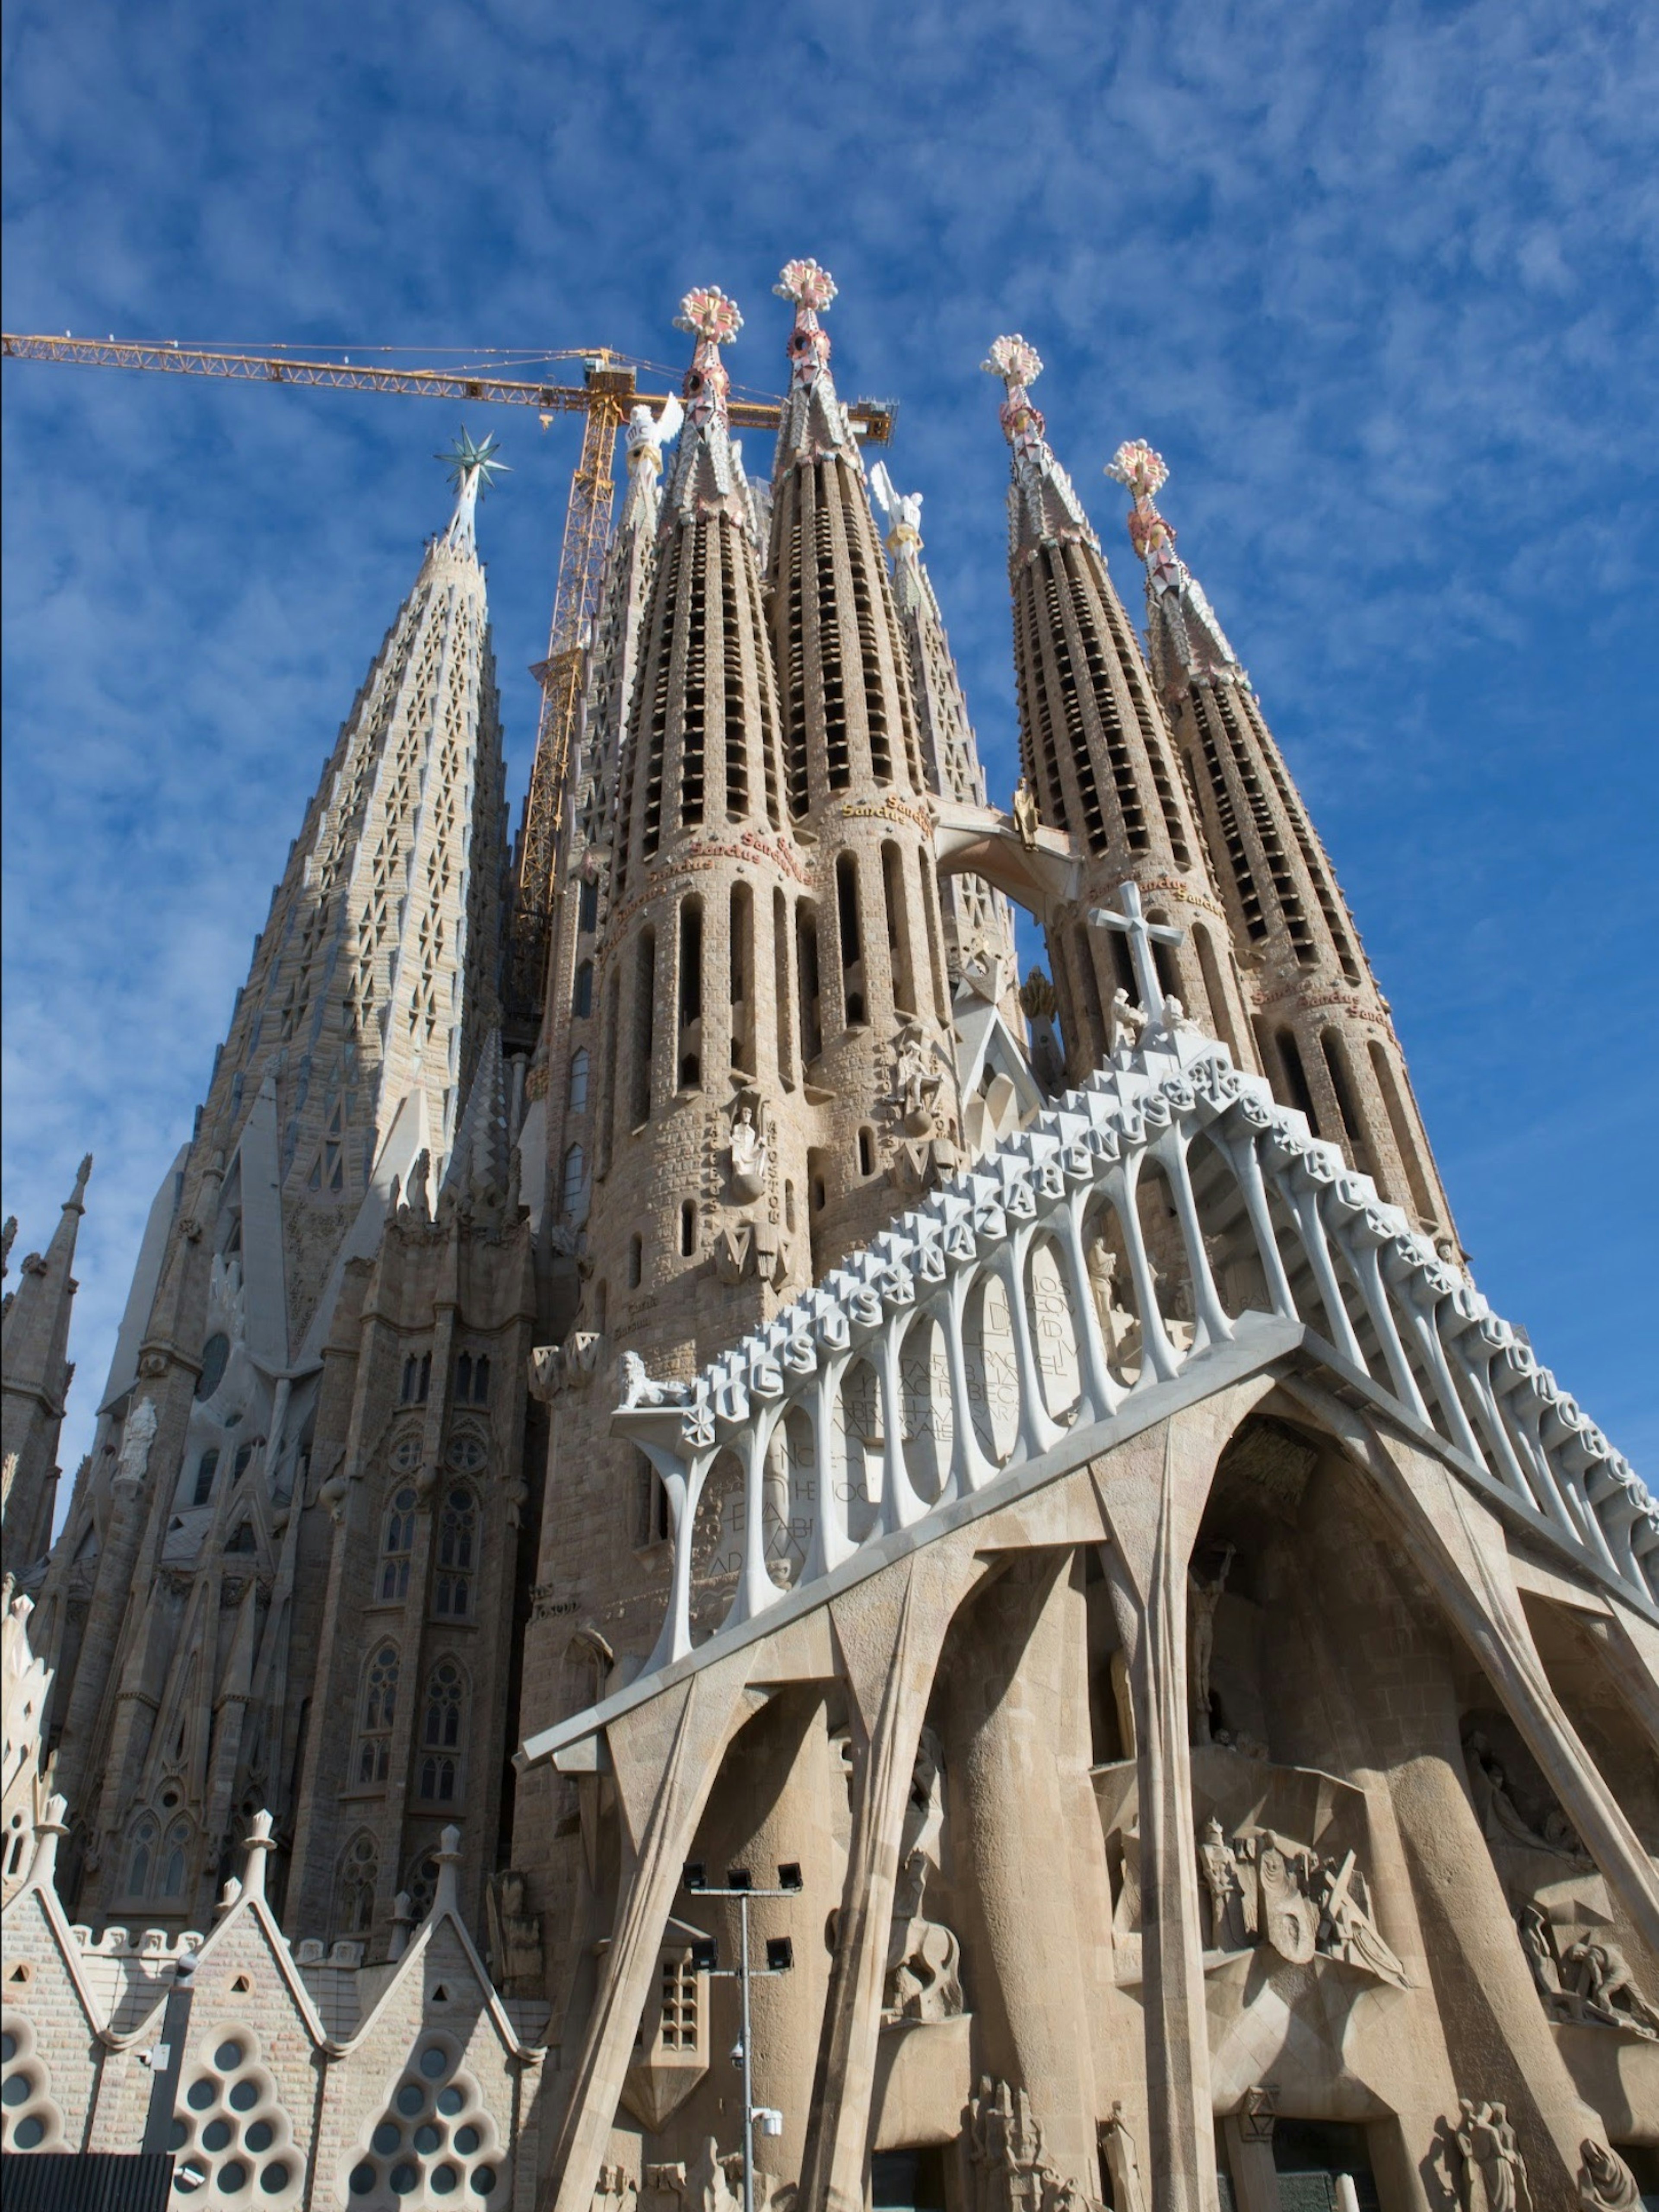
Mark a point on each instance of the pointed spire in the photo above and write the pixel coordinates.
(478, 1164)
(473, 469)
(706, 476)
(34, 1380)
(814, 423)
(1187, 643)
(1044, 507)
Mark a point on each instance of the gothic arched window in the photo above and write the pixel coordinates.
(442, 1732)
(582, 998)
(417, 1378)
(457, 1540)
(140, 1853)
(206, 1468)
(473, 1379)
(380, 1710)
(175, 1856)
(359, 1872)
(396, 1545)
(576, 1095)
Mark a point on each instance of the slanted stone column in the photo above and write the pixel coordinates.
(665, 1755)
(888, 1631)
(1016, 1709)
(1152, 1492)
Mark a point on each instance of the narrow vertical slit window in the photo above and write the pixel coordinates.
(782, 1007)
(806, 970)
(905, 1000)
(690, 1048)
(852, 943)
(741, 963)
(644, 1025)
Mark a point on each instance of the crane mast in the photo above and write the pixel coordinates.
(603, 397)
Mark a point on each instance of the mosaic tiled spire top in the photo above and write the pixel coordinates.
(1018, 364)
(714, 320)
(1145, 473)
(1187, 643)
(812, 290)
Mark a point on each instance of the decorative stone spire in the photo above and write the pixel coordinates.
(34, 1380)
(707, 478)
(1098, 753)
(473, 469)
(1044, 507)
(813, 420)
(1187, 641)
(479, 1165)
(1322, 1028)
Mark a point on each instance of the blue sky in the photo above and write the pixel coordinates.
(1379, 280)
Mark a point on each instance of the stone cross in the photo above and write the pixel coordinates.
(1140, 933)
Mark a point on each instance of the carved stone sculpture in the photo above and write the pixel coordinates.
(1231, 1927)
(1118, 2145)
(516, 1935)
(1290, 1919)
(1487, 2148)
(748, 1156)
(1347, 1928)
(916, 1081)
(135, 1440)
(1205, 1597)
(1026, 819)
(923, 1955)
(1606, 2184)
(1599, 1985)
(1128, 1021)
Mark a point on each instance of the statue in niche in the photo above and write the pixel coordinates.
(1203, 1599)
(1118, 2145)
(1606, 2184)
(1487, 2145)
(1501, 1820)
(1026, 819)
(1598, 1984)
(748, 1156)
(516, 1935)
(923, 1955)
(1119, 1325)
(1004, 2152)
(1232, 1918)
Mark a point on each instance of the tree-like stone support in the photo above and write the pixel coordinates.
(1152, 1494)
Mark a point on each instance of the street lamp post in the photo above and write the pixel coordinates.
(780, 1958)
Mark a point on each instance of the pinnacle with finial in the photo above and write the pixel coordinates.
(1144, 473)
(466, 459)
(1018, 364)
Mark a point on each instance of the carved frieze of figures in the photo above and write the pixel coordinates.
(1482, 2160)
(1266, 1888)
(1589, 1983)
(923, 1956)
(1605, 2180)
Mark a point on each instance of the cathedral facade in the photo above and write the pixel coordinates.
(824, 1575)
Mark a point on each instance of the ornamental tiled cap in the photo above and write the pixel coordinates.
(813, 423)
(1044, 507)
(1187, 644)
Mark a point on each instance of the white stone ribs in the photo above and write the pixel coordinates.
(974, 1335)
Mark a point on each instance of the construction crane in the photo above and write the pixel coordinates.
(608, 391)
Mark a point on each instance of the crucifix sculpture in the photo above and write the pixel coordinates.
(1142, 935)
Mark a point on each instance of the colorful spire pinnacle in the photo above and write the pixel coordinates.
(811, 289)
(473, 469)
(714, 320)
(1018, 364)
(1188, 642)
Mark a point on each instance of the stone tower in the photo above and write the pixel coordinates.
(1323, 1032)
(37, 1373)
(1098, 755)
(174, 1610)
